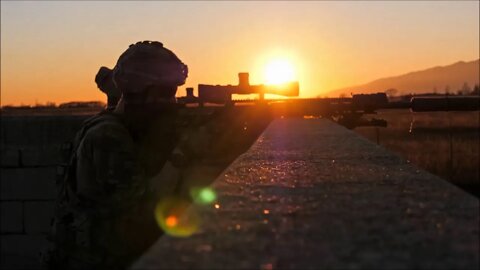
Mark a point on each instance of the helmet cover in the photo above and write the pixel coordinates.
(145, 64)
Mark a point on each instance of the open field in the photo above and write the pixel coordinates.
(443, 143)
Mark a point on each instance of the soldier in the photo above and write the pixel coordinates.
(104, 218)
(104, 82)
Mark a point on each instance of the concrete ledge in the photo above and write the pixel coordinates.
(313, 195)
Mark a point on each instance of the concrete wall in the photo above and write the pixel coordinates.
(310, 194)
(34, 153)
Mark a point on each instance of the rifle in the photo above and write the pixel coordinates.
(215, 98)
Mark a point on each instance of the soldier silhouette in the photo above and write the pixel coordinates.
(105, 83)
(104, 215)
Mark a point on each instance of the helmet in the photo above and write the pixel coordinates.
(146, 64)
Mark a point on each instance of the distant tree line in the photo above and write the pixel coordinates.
(53, 105)
(465, 90)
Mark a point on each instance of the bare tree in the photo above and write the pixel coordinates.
(465, 89)
(391, 92)
(476, 90)
(447, 89)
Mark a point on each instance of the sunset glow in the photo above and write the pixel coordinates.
(52, 50)
(279, 71)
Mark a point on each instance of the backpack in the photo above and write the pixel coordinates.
(63, 236)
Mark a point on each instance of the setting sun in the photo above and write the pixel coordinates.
(279, 71)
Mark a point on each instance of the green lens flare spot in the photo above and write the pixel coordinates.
(204, 195)
(207, 195)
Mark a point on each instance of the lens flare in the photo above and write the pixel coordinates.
(205, 195)
(177, 217)
(171, 221)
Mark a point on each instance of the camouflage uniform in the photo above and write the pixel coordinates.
(105, 213)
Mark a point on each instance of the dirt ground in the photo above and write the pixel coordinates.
(444, 143)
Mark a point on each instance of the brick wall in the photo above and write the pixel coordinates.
(34, 153)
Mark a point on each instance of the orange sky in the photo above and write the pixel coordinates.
(51, 51)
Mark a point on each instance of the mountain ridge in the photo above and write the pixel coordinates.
(426, 80)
